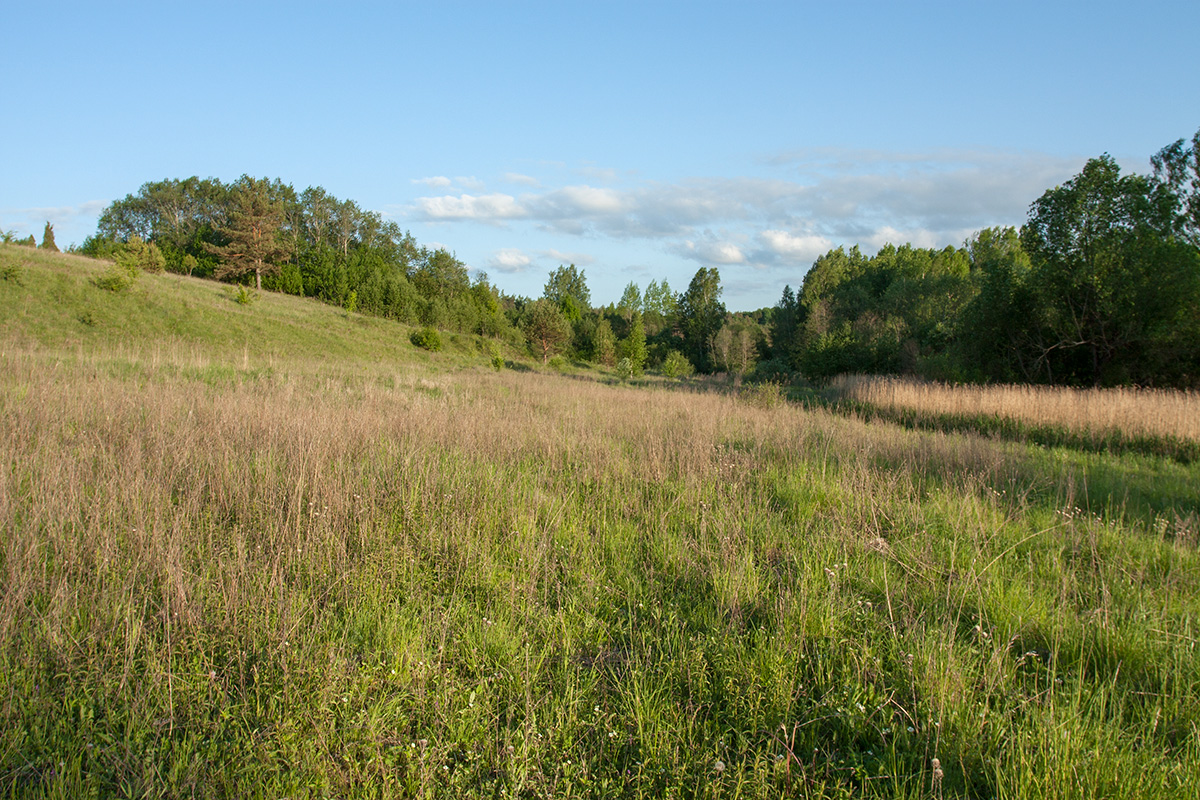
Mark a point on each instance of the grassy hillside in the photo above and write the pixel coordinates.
(276, 551)
(52, 301)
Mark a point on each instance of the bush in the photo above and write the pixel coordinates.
(427, 339)
(772, 370)
(763, 395)
(624, 369)
(495, 356)
(676, 365)
(244, 296)
(557, 363)
(117, 278)
(12, 272)
(137, 254)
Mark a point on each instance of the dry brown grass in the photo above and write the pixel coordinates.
(1135, 412)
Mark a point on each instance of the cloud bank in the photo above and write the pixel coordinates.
(812, 201)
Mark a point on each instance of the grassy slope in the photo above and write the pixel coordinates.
(51, 301)
(425, 578)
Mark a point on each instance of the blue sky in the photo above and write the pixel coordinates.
(640, 141)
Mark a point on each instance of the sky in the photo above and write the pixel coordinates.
(639, 141)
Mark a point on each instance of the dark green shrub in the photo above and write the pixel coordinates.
(773, 370)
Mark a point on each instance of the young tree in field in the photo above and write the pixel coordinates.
(633, 347)
(48, 239)
(604, 343)
(251, 230)
(547, 328)
(701, 314)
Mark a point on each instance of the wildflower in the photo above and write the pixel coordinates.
(719, 767)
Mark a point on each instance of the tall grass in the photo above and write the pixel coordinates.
(1145, 412)
(283, 583)
(253, 570)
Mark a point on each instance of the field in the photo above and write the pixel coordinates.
(275, 551)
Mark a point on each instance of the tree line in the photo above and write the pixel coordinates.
(1100, 286)
(306, 243)
(312, 244)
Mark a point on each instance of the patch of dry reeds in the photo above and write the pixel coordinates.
(1135, 412)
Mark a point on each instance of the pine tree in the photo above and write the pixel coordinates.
(48, 239)
(252, 233)
(547, 328)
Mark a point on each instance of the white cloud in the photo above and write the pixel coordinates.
(793, 248)
(57, 214)
(579, 259)
(435, 182)
(581, 201)
(470, 183)
(780, 222)
(509, 260)
(493, 208)
(604, 174)
(516, 177)
(711, 250)
(917, 237)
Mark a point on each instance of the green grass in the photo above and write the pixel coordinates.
(53, 301)
(236, 566)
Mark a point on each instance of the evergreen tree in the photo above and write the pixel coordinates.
(547, 328)
(251, 231)
(48, 239)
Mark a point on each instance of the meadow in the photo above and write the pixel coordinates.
(276, 551)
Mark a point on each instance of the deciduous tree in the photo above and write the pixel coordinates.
(1112, 277)
(1177, 167)
(568, 282)
(701, 314)
(633, 347)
